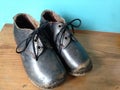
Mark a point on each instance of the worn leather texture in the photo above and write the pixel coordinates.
(47, 71)
(73, 53)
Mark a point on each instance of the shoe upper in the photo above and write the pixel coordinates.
(73, 53)
(41, 63)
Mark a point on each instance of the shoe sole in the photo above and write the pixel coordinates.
(52, 85)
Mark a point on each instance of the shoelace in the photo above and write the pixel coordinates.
(34, 36)
(68, 26)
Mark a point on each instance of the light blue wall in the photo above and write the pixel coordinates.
(100, 15)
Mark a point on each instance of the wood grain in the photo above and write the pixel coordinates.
(103, 48)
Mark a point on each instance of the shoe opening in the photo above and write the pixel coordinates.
(49, 16)
(23, 21)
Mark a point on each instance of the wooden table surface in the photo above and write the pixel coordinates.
(103, 48)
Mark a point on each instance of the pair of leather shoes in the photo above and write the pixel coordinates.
(48, 48)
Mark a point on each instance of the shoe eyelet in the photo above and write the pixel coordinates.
(38, 47)
(59, 26)
(66, 38)
(35, 40)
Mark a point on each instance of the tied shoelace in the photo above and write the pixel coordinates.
(34, 37)
(68, 26)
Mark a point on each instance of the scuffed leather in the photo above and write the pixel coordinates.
(73, 53)
(48, 71)
(71, 50)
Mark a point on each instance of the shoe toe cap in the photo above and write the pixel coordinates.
(49, 82)
(82, 68)
(47, 72)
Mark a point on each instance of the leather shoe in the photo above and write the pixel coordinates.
(72, 53)
(40, 61)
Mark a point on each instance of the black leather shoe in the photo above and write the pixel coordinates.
(40, 61)
(66, 45)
